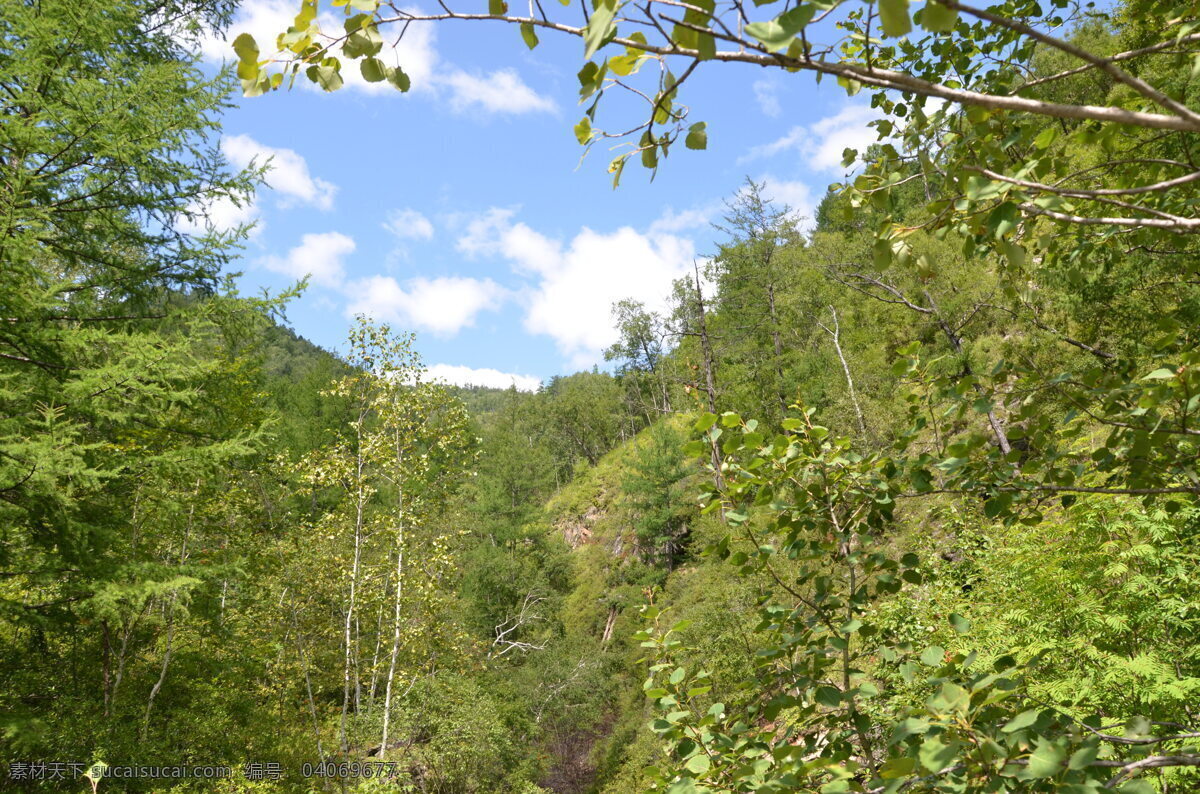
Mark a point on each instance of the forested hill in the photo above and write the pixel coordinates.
(900, 498)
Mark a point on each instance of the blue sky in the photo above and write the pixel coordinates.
(461, 210)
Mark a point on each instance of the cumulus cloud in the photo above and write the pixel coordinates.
(847, 129)
(416, 53)
(288, 175)
(491, 378)
(576, 283)
(822, 143)
(443, 305)
(409, 224)
(798, 197)
(672, 222)
(221, 215)
(318, 255)
(502, 91)
(495, 234)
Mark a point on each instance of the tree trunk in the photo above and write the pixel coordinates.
(709, 382)
(162, 675)
(836, 334)
(399, 593)
(359, 506)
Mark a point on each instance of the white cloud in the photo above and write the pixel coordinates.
(262, 19)
(318, 255)
(573, 302)
(823, 142)
(443, 305)
(416, 53)
(672, 222)
(845, 130)
(288, 174)
(577, 283)
(798, 196)
(794, 138)
(221, 215)
(494, 234)
(408, 224)
(491, 378)
(502, 91)
(766, 93)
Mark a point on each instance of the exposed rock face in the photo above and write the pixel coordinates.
(578, 531)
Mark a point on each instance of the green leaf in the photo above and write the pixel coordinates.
(779, 32)
(1046, 759)
(828, 696)
(1084, 756)
(373, 70)
(910, 726)
(1022, 720)
(599, 28)
(935, 755)
(897, 768)
(893, 14)
(325, 75)
(1161, 374)
(960, 624)
(1003, 219)
(998, 504)
(246, 47)
(364, 41)
(583, 130)
(699, 763)
(933, 656)
(650, 151)
(398, 78)
(529, 35)
(936, 18)
(697, 137)
(497, 7)
(616, 168)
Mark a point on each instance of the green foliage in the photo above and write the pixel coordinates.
(657, 492)
(816, 714)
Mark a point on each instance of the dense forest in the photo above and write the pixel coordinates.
(903, 497)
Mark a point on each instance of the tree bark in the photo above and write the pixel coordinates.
(709, 381)
(359, 508)
(399, 593)
(836, 334)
